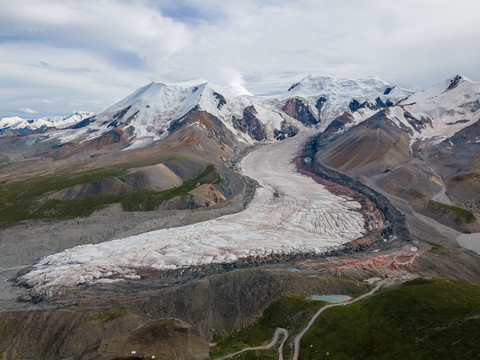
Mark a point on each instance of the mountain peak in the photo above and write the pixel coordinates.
(360, 89)
(453, 82)
(458, 79)
(186, 84)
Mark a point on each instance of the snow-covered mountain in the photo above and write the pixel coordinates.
(44, 123)
(147, 114)
(152, 112)
(149, 111)
(440, 111)
(320, 100)
(424, 150)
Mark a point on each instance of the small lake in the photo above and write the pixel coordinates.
(331, 298)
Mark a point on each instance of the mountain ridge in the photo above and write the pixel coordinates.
(146, 114)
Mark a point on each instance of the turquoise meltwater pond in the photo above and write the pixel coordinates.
(331, 298)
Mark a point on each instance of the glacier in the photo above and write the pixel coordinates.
(290, 214)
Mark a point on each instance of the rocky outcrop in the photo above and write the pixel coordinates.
(109, 138)
(207, 195)
(166, 339)
(336, 127)
(321, 101)
(355, 105)
(286, 130)
(220, 99)
(300, 111)
(155, 177)
(202, 196)
(250, 124)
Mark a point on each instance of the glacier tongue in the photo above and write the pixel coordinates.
(290, 213)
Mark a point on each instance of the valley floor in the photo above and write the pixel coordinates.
(290, 214)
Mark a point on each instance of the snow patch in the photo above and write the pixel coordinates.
(58, 122)
(448, 106)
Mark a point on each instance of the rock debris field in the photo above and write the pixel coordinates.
(289, 214)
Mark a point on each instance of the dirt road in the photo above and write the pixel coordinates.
(276, 335)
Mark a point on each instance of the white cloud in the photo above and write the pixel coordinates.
(76, 52)
(27, 110)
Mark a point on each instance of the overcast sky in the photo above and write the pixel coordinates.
(57, 56)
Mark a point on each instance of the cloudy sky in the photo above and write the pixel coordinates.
(57, 56)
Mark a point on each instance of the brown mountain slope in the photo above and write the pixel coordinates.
(374, 146)
(457, 159)
(378, 152)
(75, 179)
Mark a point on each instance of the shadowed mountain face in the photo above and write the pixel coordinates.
(457, 159)
(428, 154)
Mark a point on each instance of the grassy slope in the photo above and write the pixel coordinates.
(423, 319)
(24, 200)
(461, 215)
(290, 312)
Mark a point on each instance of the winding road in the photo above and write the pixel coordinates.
(276, 335)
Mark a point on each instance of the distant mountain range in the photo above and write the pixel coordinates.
(151, 112)
(18, 126)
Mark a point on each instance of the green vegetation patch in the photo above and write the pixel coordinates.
(28, 199)
(137, 358)
(108, 315)
(439, 250)
(147, 200)
(461, 215)
(423, 319)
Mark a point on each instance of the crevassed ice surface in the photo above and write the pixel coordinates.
(290, 213)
